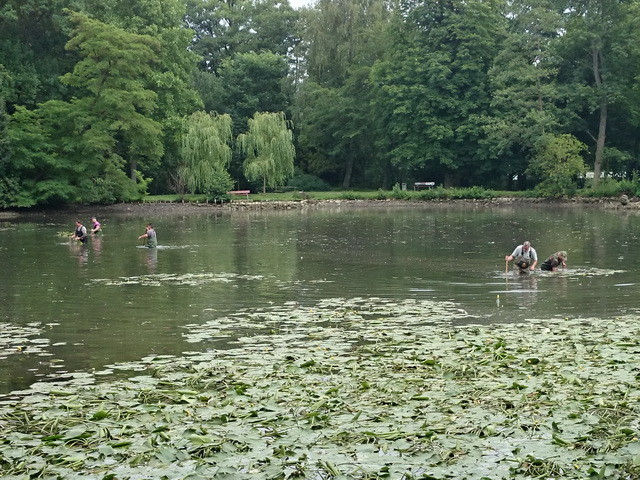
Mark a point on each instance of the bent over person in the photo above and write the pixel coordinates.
(525, 257)
(551, 264)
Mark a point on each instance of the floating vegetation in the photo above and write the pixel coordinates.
(585, 272)
(191, 279)
(569, 272)
(23, 339)
(360, 388)
(169, 247)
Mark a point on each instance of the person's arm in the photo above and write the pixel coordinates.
(508, 258)
(534, 257)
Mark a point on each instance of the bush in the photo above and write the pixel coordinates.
(308, 183)
(399, 194)
(558, 163)
(609, 187)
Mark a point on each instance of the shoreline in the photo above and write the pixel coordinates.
(615, 203)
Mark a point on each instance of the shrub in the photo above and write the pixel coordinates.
(559, 164)
(308, 183)
(609, 187)
(398, 193)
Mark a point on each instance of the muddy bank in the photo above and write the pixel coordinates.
(158, 208)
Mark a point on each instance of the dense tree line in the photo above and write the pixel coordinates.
(102, 101)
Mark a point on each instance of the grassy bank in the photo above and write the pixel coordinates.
(605, 190)
(361, 388)
(293, 196)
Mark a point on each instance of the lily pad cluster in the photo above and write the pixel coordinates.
(15, 339)
(359, 388)
(190, 279)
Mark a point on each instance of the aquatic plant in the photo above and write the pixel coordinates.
(360, 388)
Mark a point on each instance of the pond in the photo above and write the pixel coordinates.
(67, 308)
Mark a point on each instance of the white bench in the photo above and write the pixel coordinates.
(420, 185)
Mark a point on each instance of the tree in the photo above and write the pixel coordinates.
(268, 146)
(172, 76)
(525, 98)
(558, 163)
(34, 173)
(206, 153)
(33, 34)
(596, 69)
(116, 109)
(248, 83)
(224, 28)
(434, 86)
(342, 39)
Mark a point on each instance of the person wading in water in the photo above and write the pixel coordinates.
(525, 257)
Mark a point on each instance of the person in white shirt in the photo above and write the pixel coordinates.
(525, 257)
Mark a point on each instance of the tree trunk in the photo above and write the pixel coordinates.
(348, 170)
(451, 179)
(133, 165)
(602, 132)
(596, 54)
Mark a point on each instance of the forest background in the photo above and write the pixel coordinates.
(108, 100)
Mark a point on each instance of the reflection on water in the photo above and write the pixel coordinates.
(152, 259)
(111, 300)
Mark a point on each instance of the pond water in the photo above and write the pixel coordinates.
(65, 307)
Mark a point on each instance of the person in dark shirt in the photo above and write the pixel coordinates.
(150, 239)
(80, 233)
(551, 264)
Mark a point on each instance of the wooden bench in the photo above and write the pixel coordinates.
(239, 192)
(419, 185)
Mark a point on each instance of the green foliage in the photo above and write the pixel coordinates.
(324, 393)
(269, 150)
(35, 174)
(558, 162)
(351, 195)
(610, 187)
(398, 193)
(248, 83)
(118, 106)
(206, 153)
(9, 190)
(432, 88)
(308, 183)
(525, 95)
(224, 29)
(472, 193)
(333, 113)
(32, 39)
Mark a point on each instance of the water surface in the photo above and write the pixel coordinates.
(83, 307)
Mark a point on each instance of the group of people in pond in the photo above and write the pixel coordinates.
(525, 259)
(524, 256)
(80, 234)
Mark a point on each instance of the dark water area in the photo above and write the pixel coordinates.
(66, 307)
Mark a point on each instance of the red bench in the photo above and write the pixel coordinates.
(419, 185)
(239, 192)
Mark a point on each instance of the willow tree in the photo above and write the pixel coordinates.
(206, 153)
(268, 146)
